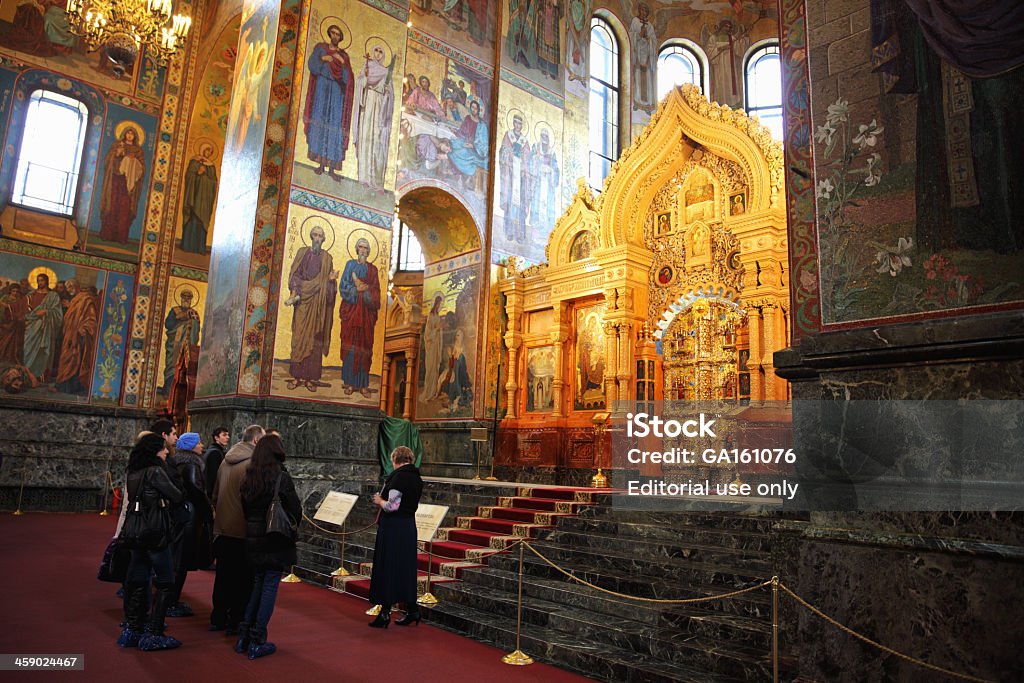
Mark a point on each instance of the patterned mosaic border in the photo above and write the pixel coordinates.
(261, 299)
(529, 86)
(75, 257)
(145, 106)
(425, 39)
(803, 245)
(339, 207)
(134, 384)
(453, 263)
(189, 273)
(400, 12)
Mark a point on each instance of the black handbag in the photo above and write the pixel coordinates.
(146, 527)
(116, 558)
(278, 521)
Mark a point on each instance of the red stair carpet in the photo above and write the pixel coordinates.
(53, 604)
(493, 528)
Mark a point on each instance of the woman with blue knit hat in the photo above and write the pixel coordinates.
(192, 549)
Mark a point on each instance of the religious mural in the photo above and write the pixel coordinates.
(532, 41)
(204, 145)
(588, 357)
(236, 202)
(122, 183)
(643, 41)
(914, 210)
(540, 375)
(330, 331)
(182, 328)
(470, 24)
(446, 382)
(529, 194)
(444, 138)
(349, 111)
(38, 32)
(51, 328)
(577, 45)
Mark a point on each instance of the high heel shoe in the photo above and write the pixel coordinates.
(382, 620)
(409, 619)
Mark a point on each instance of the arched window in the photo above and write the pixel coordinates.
(680, 62)
(406, 253)
(604, 100)
(762, 81)
(50, 153)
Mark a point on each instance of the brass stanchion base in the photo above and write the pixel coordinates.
(341, 571)
(427, 600)
(291, 578)
(491, 478)
(517, 658)
(476, 477)
(104, 513)
(599, 480)
(18, 513)
(373, 611)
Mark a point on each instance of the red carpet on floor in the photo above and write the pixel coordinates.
(53, 604)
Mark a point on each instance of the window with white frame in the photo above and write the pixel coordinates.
(678, 63)
(406, 253)
(762, 79)
(604, 101)
(50, 153)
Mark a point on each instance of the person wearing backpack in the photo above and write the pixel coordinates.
(150, 489)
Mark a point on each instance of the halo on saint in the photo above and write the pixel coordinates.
(120, 128)
(545, 126)
(346, 35)
(199, 143)
(317, 222)
(42, 270)
(357, 235)
(181, 289)
(510, 118)
(377, 41)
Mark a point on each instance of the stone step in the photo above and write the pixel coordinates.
(721, 521)
(706, 619)
(666, 644)
(725, 538)
(658, 550)
(608, 663)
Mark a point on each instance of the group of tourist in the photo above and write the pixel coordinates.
(217, 504)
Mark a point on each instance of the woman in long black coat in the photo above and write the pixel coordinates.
(393, 579)
(270, 555)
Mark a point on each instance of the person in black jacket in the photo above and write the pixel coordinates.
(393, 578)
(149, 483)
(193, 547)
(214, 456)
(270, 555)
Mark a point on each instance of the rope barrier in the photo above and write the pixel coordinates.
(336, 533)
(685, 601)
(845, 629)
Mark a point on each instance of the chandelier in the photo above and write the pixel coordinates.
(121, 28)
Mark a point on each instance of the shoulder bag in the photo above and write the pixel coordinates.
(278, 521)
(146, 527)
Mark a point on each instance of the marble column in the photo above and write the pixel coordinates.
(385, 385)
(769, 310)
(410, 378)
(558, 339)
(611, 355)
(756, 351)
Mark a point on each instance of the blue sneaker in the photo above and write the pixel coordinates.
(149, 643)
(257, 650)
(129, 638)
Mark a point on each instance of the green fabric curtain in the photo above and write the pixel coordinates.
(395, 432)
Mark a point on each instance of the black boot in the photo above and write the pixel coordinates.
(411, 617)
(155, 638)
(242, 644)
(383, 617)
(134, 614)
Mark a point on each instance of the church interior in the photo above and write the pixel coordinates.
(498, 225)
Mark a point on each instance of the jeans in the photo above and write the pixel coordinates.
(261, 603)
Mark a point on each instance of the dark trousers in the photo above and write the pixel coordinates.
(233, 582)
(261, 603)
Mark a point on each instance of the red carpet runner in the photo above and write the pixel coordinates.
(53, 604)
(494, 527)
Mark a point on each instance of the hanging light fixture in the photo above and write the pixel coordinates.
(122, 28)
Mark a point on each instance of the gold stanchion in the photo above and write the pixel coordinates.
(518, 657)
(476, 477)
(21, 493)
(494, 436)
(775, 629)
(109, 486)
(428, 599)
(373, 611)
(341, 571)
(291, 578)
